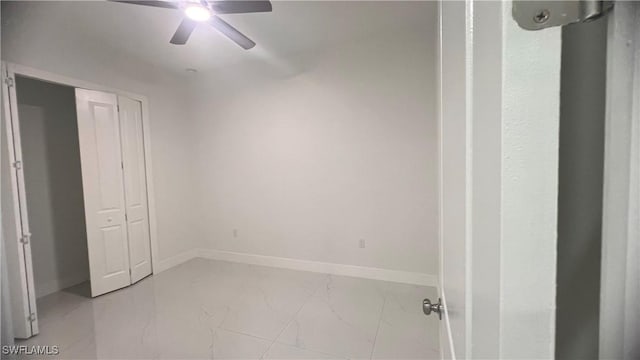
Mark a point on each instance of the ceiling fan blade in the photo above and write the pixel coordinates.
(232, 33)
(183, 32)
(240, 6)
(162, 4)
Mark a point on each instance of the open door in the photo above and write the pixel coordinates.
(14, 214)
(104, 198)
(136, 187)
(498, 129)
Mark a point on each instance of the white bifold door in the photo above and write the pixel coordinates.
(114, 185)
(135, 187)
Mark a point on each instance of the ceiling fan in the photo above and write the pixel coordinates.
(201, 11)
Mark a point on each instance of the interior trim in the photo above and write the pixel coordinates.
(406, 277)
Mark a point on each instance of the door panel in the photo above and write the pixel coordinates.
(102, 174)
(136, 187)
(111, 240)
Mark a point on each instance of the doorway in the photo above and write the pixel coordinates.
(53, 184)
(79, 190)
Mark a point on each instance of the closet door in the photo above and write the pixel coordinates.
(135, 185)
(102, 181)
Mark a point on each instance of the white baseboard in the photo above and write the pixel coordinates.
(406, 277)
(322, 267)
(174, 260)
(44, 289)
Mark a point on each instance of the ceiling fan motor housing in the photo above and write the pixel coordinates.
(207, 11)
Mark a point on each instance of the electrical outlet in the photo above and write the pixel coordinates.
(235, 233)
(361, 243)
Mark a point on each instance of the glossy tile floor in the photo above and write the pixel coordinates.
(221, 310)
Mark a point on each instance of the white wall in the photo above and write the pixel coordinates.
(31, 38)
(304, 165)
(344, 148)
(53, 181)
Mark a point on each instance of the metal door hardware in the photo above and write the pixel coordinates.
(24, 239)
(537, 15)
(428, 307)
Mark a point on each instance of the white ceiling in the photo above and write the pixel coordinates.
(293, 28)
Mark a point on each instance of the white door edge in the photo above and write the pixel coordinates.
(25, 320)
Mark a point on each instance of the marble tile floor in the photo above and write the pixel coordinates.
(206, 309)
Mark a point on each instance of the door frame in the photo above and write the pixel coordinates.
(620, 279)
(501, 303)
(11, 70)
(20, 281)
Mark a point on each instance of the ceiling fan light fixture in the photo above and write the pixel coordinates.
(197, 12)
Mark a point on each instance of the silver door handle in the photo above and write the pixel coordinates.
(428, 307)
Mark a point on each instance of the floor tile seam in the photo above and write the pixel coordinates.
(375, 339)
(295, 315)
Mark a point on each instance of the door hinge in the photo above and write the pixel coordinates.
(24, 239)
(17, 165)
(536, 15)
(32, 317)
(9, 81)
